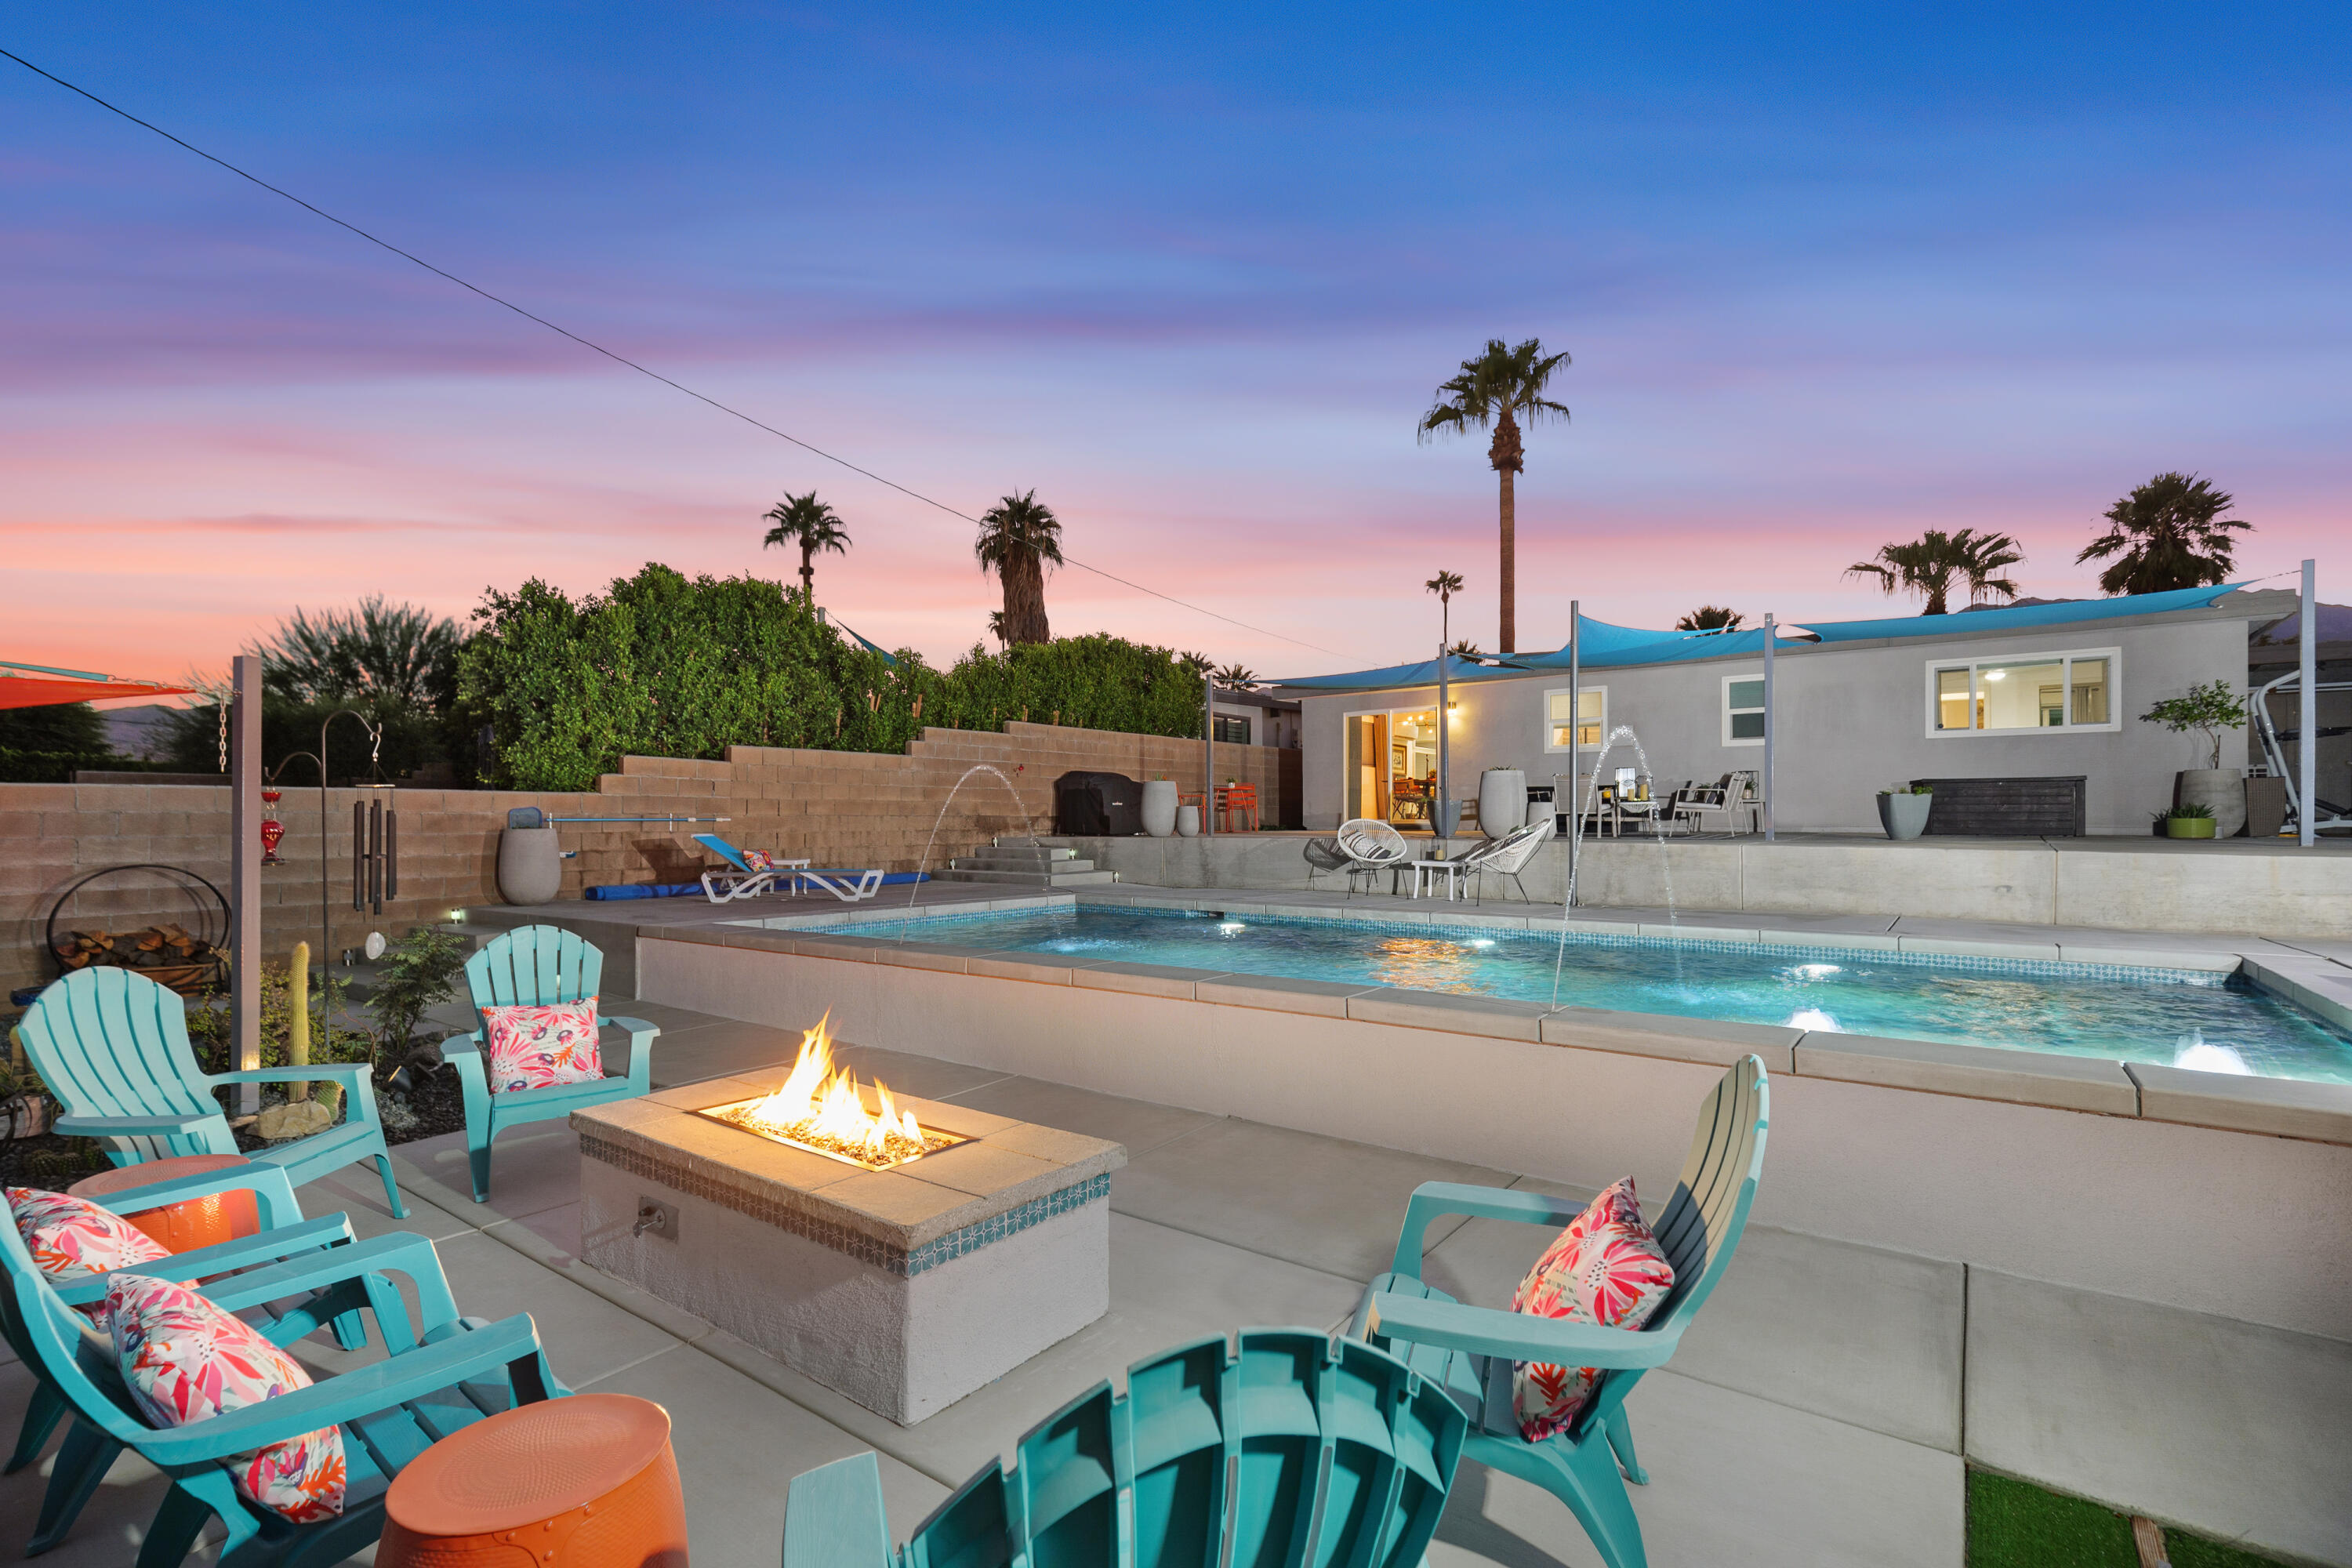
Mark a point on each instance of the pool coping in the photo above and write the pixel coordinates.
(2285, 1108)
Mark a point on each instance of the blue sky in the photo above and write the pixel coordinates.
(1828, 278)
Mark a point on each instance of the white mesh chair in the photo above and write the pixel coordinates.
(1372, 847)
(1508, 856)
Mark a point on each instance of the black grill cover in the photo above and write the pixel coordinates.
(1097, 805)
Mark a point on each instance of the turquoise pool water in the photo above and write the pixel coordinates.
(2168, 1017)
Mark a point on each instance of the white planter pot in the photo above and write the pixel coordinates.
(531, 866)
(1188, 822)
(1159, 807)
(1501, 801)
(1905, 815)
(2222, 789)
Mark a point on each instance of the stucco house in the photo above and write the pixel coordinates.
(2040, 690)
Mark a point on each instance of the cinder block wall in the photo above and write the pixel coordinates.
(838, 808)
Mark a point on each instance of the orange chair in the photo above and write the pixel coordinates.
(1237, 808)
(587, 1481)
(182, 1226)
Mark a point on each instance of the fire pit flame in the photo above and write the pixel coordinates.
(818, 1108)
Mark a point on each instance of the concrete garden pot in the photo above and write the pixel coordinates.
(2222, 789)
(2189, 827)
(1903, 816)
(531, 866)
(1502, 800)
(1188, 821)
(1445, 815)
(1159, 807)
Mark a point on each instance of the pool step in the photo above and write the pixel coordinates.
(1025, 866)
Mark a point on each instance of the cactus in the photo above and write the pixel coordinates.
(298, 1017)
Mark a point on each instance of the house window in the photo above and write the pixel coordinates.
(1743, 710)
(2024, 694)
(1591, 718)
(1230, 730)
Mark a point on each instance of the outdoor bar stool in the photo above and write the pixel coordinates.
(583, 1482)
(181, 1226)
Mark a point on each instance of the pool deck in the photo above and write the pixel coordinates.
(1821, 1412)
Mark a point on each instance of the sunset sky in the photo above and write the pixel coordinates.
(1829, 274)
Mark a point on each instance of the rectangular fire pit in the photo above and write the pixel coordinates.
(904, 1288)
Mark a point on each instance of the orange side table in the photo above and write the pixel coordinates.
(182, 1226)
(587, 1481)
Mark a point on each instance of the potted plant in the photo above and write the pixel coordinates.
(2193, 820)
(2210, 710)
(1903, 810)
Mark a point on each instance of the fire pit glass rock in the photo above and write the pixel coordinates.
(901, 1251)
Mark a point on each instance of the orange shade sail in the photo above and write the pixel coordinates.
(38, 686)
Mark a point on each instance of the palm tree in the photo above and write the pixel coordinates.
(1017, 537)
(996, 625)
(1930, 563)
(808, 522)
(1465, 648)
(1196, 665)
(1710, 618)
(1500, 387)
(1236, 677)
(1445, 585)
(2168, 533)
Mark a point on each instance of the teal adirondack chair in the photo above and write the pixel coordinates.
(1470, 1349)
(442, 1372)
(113, 1046)
(1294, 1451)
(535, 966)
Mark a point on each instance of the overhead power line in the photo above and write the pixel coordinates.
(619, 358)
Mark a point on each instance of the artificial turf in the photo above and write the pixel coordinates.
(2015, 1524)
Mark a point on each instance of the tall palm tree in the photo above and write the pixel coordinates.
(2168, 533)
(809, 523)
(1710, 618)
(394, 653)
(1499, 388)
(1195, 665)
(1932, 563)
(1017, 536)
(1463, 648)
(1445, 585)
(1236, 677)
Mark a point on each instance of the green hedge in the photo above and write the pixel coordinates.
(667, 667)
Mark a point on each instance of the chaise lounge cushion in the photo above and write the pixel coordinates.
(72, 1239)
(757, 860)
(185, 1360)
(1606, 1268)
(540, 1047)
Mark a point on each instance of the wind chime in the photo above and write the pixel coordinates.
(376, 830)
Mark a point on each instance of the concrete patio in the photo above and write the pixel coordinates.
(1815, 1414)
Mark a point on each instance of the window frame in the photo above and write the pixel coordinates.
(2064, 656)
(1544, 717)
(1217, 717)
(1728, 681)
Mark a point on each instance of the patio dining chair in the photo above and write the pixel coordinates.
(1726, 798)
(113, 1046)
(1291, 1451)
(1509, 855)
(1472, 1351)
(443, 1371)
(535, 966)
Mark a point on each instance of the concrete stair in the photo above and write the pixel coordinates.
(1027, 866)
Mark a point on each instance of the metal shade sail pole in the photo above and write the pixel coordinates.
(1771, 637)
(1437, 822)
(1575, 744)
(2306, 708)
(245, 873)
(1208, 755)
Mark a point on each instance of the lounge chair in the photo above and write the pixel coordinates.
(1508, 856)
(1372, 847)
(113, 1047)
(1725, 798)
(751, 873)
(1471, 1351)
(848, 885)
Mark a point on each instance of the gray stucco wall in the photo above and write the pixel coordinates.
(1850, 718)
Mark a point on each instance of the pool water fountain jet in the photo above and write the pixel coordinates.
(1666, 862)
(1028, 822)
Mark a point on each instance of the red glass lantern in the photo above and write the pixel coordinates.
(272, 830)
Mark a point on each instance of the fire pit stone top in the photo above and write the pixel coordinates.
(1005, 1166)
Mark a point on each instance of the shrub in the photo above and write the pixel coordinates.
(2209, 709)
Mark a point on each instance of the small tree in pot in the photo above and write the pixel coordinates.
(2211, 710)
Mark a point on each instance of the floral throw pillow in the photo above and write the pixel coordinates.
(185, 1360)
(757, 860)
(1605, 1267)
(538, 1048)
(73, 1240)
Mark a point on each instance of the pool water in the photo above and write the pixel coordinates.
(2168, 1017)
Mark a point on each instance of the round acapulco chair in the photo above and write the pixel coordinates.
(1508, 856)
(1372, 847)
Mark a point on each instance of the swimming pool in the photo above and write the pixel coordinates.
(2169, 1017)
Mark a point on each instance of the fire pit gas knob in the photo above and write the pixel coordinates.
(660, 1219)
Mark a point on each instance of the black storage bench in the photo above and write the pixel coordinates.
(2048, 808)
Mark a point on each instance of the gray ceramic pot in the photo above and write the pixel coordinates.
(1905, 815)
(531, 866)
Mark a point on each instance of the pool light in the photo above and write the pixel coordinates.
(1815, 971)
(1814, 1018)
(1229, 927)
